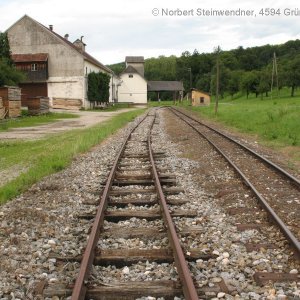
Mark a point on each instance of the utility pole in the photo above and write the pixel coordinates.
(274, 73)
(217, 79)
(190, 71)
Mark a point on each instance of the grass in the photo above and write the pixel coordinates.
(52, 154)
(276, 122)
(114, 107)
(161, 103)
(28, 121)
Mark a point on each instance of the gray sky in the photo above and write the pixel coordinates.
(116, 28)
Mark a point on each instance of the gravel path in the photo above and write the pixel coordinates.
(86, 119)
(43, 222)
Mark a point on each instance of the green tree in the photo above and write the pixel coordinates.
(203, 82)
(8, 73)
(98, 87)
(233, 85)
(224, 76)
(249, 82)
(5, 54)
(264, 84)
(292, 74)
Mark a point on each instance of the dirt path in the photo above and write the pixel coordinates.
(86, 119)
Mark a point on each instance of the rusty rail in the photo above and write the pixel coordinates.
(188, 286)
(282, 226)
(79, 290)
(293, 179)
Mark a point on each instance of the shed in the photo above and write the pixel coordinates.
(11, 96)
(38, 105)
(200, 98)
(166, 86)
(2, 109)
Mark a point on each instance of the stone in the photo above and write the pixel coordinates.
(216, 252)
(221, 295)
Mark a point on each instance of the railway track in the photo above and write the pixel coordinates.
(134, 250)
(134, 190)
(277, 191)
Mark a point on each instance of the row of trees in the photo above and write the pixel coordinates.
(241, 70)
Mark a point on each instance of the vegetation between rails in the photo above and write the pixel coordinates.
(28, 121)
(114, 107)
(52, 154)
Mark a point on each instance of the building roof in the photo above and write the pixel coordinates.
(134, 59)
(156, 86)
(37, 57)
(129, 69)
(85, 55)
(196, 90)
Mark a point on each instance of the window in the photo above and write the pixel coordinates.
(201, 99)
(130, 76)
(33, 67)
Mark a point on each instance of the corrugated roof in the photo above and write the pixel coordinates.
(156, 86)
(37, 57)
(134, 59)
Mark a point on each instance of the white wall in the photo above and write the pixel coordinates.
(132, 89)
(66, 87)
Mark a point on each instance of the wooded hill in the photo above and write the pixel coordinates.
(247, 70)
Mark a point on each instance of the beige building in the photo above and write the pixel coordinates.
(55, 67)
(199, 98)
(133, 85)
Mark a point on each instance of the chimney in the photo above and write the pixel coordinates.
(51, 27)
(80, 44)
(66, 36)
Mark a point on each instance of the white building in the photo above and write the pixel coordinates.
(62, 73)
(133, 85)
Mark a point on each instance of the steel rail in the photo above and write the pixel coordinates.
(79, 289)
(188, 286)
(284, 229)
(294, 180)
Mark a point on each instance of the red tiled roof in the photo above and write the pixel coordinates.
(30, 57)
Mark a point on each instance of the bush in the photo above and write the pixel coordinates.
(98, 87)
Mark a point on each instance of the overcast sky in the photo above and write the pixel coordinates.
(113, 29)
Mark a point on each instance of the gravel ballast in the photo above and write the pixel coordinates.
(43, 222)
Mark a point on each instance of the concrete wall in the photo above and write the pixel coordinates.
(67, 88)
(132, 89)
